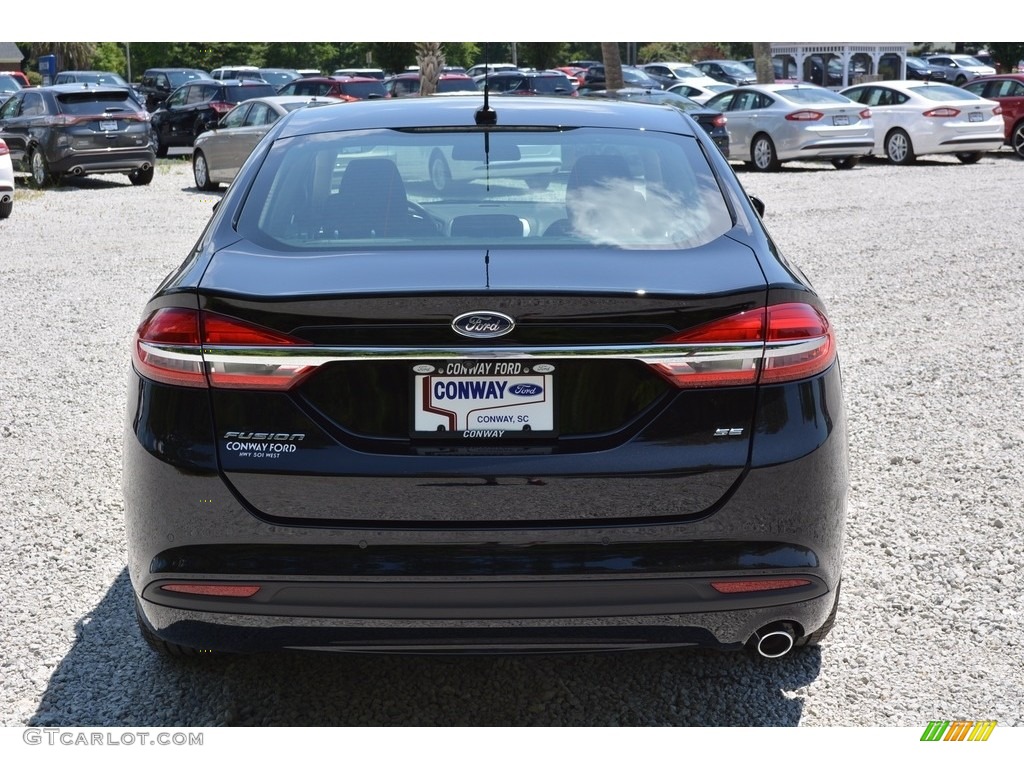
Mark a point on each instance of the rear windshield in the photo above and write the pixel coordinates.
(583, 187)
(940, 92)
(364, 90)
(551, 84)
(96, 102)
(237, 93)
(812, 95)
(456, 84)
(8, 83)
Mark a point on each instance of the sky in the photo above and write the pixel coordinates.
(735, 20)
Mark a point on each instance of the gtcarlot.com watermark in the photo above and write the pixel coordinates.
(83, 737)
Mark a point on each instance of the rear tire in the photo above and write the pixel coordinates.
(161, 150)
(1017, 139)
(6, 209)
(763, 155)
(40, 170)
(898, 148)
(201, 172)
(845, 163)
(969, 158)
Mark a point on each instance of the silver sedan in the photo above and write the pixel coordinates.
(219, 153)
(913, 117)
(772, 123)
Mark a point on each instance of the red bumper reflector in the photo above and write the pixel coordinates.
(214, 590)
(729, 587)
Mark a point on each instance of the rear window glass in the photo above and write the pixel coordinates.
(812, 95)
(551, 84)
(456, 84)
(943, 93)
(364, 90)
(236, 93)
(8, 83)
(180, 78)
(575, 188)
(93, 103)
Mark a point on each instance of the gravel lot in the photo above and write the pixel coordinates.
(922, 268)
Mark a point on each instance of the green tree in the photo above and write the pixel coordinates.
(69, 55)
(109, 57)
(542, 55)
(664, 52)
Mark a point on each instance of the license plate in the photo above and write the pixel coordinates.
(483, 399)
(840, 119)
(108, 125)
(975, 117)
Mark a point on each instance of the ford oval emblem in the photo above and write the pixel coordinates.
(525, 390)
(483, 324)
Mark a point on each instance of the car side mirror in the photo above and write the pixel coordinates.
(758, 204)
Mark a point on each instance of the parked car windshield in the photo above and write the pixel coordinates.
(180, 78)
(531, 189)
(8, 83)
(362, 90)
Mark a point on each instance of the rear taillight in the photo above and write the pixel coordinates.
(3, 148)
(189, 348)
(719, 121)
(865, 114)
(942, 112)
(221, 107)
(808, 115)
(783, 342)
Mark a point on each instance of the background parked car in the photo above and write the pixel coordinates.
(711, 120)
(219, 152)
(8, 86)
(772, 123)
(159, 82)
(514, 82)
(6, 181)
(728, 71)
(633, 77)
(915, 118)
(344, 88)
(18, 75)
(670, 73)
(74, 130)
(196, 106)
(238, 72)
(479, 69)
(1008, 91)
(919, 69)
(957, 68)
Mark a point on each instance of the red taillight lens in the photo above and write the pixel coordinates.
(782, 342)
(865, 114)
(167, 348)
(800, 343)
(997, 110)
(808, 115)
(221, 106)
(3, 148)
(719, 121)
(180, 346)
(942, 112)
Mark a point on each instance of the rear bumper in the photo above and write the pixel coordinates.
(104, 161)
(564, 585)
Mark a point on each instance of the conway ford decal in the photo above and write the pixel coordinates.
(483, 325)
(525, 390)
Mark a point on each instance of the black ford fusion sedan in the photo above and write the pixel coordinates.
(576, 401)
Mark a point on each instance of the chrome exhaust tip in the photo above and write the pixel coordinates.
(775, 640)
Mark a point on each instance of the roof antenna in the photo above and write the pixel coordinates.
(485, 115)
